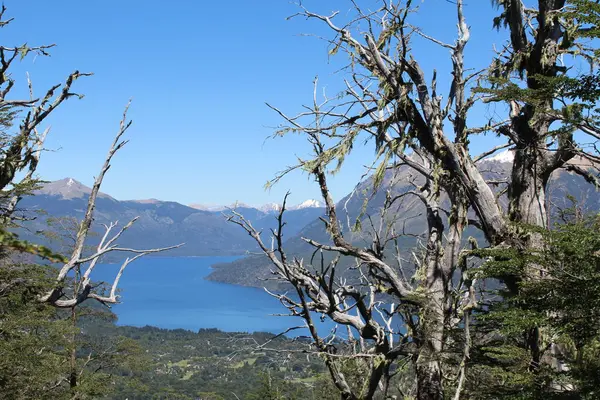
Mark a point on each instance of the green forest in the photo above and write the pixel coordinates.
(447, 272)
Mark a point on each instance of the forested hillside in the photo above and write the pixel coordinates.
(212, 365)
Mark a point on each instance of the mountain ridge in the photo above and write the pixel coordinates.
(256, 270)
(67, 188)
(207, 232)
(266, 208)
(160, 224)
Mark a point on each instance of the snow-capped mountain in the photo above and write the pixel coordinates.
(160, 223)
(270, 208)
(311, 203)
(274, 207)
(218, 207)
(506, 156)
(207, 207)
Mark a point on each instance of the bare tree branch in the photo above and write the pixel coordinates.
(55, 296)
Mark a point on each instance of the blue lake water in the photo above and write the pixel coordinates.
(171, 292)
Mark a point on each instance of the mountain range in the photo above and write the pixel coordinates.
(267, 208)
(256, 270)
(160, 223)
(206, 231)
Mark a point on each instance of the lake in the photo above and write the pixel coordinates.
(171, 292)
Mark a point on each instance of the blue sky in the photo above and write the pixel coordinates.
(199, 73)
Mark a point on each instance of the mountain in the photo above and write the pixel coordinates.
(267, 208)
(218, 207)
(256, 270)
(160, 223)
(311, 203)
(270, 208)
(206, 231)
(66, 189)
(504, 157)
(207, 207)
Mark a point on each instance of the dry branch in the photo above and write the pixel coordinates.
(106, 246)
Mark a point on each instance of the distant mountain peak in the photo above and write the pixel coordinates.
(147, 201)
(506, 156)
(238, 204)
(270, 208)
(207, 207)
(67, 188)
(217, 207)
(310, 203)
(275, 207)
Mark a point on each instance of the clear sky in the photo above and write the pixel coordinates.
(199, 73)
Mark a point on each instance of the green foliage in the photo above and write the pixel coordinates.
(32, 336)
(103, 362)
(9, 242)
(181, 364)
(271, 389)
(36, 343)
(555, 301)
(583, 17)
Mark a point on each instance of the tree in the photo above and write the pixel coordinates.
(387, 97)
(22, 147)
(565, 303)
(32, 296)
(84, 289)
(33, 337)
(391, 310)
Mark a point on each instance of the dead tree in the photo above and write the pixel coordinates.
(85, 264)
(399, 314)
(388, 97)
(21, 149)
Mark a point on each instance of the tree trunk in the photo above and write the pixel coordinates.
(428, 368)
(440, 262)
(527, 191)
(527, 195)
